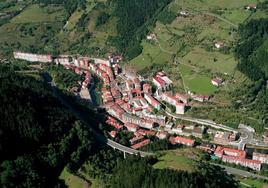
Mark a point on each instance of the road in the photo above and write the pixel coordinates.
(239, 172)
(202, 122)
(100, 137)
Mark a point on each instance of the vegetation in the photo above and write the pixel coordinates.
(45, 135)
(133, 27)
(146, 176)
(252, 55)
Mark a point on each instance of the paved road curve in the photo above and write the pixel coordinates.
(243, 173)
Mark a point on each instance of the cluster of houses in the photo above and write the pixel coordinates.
(131, 104)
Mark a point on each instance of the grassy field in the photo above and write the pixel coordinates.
(35, 14)
(180, 159)
(151, 55)
(252, 182)
(73, 181)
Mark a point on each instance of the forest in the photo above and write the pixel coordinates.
(252, 54)
(39, 136)
(133, 27)
(137, 172)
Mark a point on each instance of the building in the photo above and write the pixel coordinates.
(141, 144)
(128, 118)
(152, 101)
(209, 148)
(253, 164)
(221, 151)
(219, 44)
(198, 131)
(33, 57)
(224, 138)
(162, 81)
(136, 139)
(216, 82)
(200, 98)
(113, 134)
(260, 157)
(147, 88)
(152, 36)
(182, 97)
(184, 141)
(131, 127)
(180, 107)
(252, 6)
(162, 134)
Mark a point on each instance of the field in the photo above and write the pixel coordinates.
(73, 181)
(252, 183)
(180, 159)
(189, 42)
(35, 14)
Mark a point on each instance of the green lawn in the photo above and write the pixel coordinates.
(179, 159)
(35, 14)
(196, 82)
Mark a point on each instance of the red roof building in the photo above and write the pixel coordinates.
(184, 141)
(141, 144)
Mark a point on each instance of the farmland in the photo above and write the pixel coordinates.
(186, 45)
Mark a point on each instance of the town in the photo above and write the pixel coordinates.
(138, 105)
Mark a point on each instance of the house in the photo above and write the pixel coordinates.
(252, 6)
(200, 98)
(152, 101)
(178, 129)
(260, 157)
(184, 141)
(219, 44)
(152, 36)
(113, 134)
(141, 144)
(162, 134)
(216, 81)
(183, 13)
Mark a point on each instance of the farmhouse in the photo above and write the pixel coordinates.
(216, 81)
(219, 44)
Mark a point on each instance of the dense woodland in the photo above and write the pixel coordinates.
(252, 54)
(137, 172)
(38, 135)
(133, 26)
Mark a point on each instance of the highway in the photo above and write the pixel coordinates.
(239, 172)
(96, 133)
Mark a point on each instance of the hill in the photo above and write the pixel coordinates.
(39, 136)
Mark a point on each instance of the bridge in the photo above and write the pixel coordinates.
(126, 149)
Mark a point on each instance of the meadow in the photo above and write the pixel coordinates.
(179, 159)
